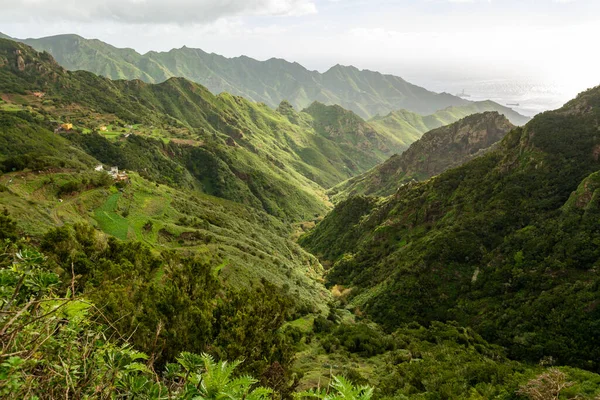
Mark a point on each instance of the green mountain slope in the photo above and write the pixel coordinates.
(24, 144)
(413, 125)
(55, 185)
(435, 152)
(506, 243)
(357, 137)
(367, 93)
(192, 251)
(229, 146)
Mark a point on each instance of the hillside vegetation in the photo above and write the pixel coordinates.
(506, 244)
(413, 125)
(226, 145)
(366, 93)
(177, 277)
(435, 152)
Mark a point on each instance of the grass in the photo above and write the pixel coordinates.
(108, 219)
(10, 107)
(305, 324)
(249, 244)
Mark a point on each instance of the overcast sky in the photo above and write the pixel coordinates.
(552, 40)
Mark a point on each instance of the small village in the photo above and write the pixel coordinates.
(114, 173)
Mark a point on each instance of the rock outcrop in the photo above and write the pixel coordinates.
(437, 150)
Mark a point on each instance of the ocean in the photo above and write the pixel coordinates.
(532, 97)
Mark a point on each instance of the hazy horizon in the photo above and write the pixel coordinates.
(432, 43)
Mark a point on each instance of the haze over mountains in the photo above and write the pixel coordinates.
(459, 260)
(367, 93)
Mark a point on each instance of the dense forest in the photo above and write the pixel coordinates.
(213, 265)
(506, 244)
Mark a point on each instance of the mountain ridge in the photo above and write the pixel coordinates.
(190, 248)
(503, 243)
(436, 151)
(367, 93)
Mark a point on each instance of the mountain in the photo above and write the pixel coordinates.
(141, 280)
(436, 151)
(413, 125)
(180, 193)
(366, 93)
(227, 146)
(302, 144)
(506, 243)
(351, 131)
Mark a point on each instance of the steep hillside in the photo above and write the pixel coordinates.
(506, 243)
(367, 93)
(55, 184)
(226, 145)
(436, 151)
(112, 283)
(413, 125)
(356, 136)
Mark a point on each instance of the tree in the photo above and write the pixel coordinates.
(8, 227)
(546, 386)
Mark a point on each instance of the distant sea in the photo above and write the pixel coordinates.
(532, 98)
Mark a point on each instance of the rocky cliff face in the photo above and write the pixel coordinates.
(27, 64)
(437, 150)
(20, 62)
(452, 145)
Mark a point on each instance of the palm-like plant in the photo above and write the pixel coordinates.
(209, 380)
(339, 388)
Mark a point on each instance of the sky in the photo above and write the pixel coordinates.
(425, 41)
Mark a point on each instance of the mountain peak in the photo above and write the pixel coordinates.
(341, 68)
(285, 106)
(317, 108)
(366, 93)
(454, 144)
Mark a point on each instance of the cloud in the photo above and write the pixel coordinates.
(469, 1)
(149, 11)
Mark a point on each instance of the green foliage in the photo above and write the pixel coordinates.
(366, 93)
(8, 227)
(52, 347)
(170, 302)
(145, 155)
(27, 143)
(241, 321)
(438, 361)
(505, 243)
(216, 380)
(339, 388)
(337, 231)
(55, 346)
(359, 338)
(436, 151)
